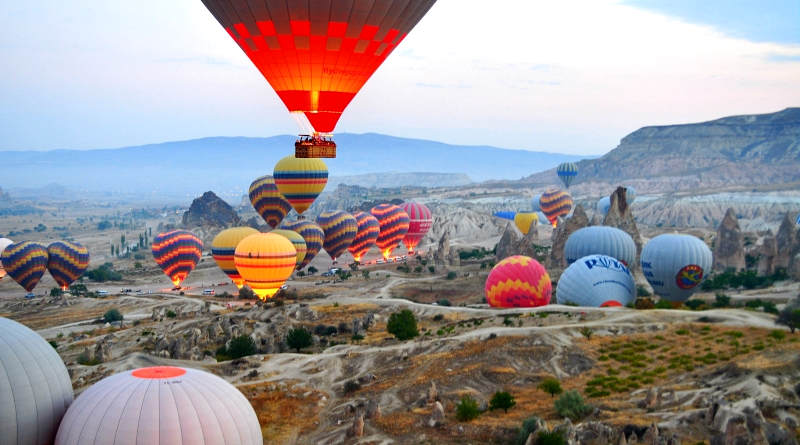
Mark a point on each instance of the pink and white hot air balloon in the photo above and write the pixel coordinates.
(420, 222)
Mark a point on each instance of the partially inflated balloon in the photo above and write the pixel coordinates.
(603, 205)
(600, 240)
(4, 242)
(505, 214)
(596, 281)
(268, 201)
(567, 171)
(630, 194)
(420, 221)
(223, 247)
(525, 220)
(67, 262)
(675, 265)
(554, 203)
(300, 180)
(394, 224)
(265, 261)
(25, 263)
(312, 234)
(340, 228)
(368, 230)
(297, 241)
(177, 253)
(518, 281)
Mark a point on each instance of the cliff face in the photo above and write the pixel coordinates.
(210, 211)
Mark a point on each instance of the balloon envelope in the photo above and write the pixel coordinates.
(300, 180)
(420, 222)
(265, 261)
(675, 265)
(25, 263)
(66, 262)
(368, 230)
(567, 171)
(312, 234)
(518, 281)
(4, 242)
(177, 253)
(340, 229)
(525, 220)
(554, 203)
(596, 281)
(223, 247)
(505, 214)
(535, 204)
(268, 201)
(603, 205)
(600, 240)
(393, 222)
(297, 241)
(630, 194)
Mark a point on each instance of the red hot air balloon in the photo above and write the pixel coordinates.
(420, 221)
(393, 222)
(317, 55)
(368, 230)
(177, 252)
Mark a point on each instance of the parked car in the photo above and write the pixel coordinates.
(30, 295)
(102, 293)
(208, 292)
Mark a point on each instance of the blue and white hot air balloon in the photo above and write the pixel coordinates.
(567, 171)
(603, 204)
(505, 214)
(630, 194)
(675, 265)
(600, 240)
(596, 281)
(535, 203)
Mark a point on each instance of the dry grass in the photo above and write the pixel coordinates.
(284, 413)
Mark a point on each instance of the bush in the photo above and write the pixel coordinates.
(642, 291)
(777, 335)
(644, 304)
(351, 386)
(587, 332)
(312, 270)
(502, 400)
(443, 302)
(451, 275)
(298, 339)
(550, 438)
(722, 300)
(663, 304)
(438, 317)
(325, 331)
(112, 315)
(86, 360)
(528, 427)
(170, 313)
(571, 405)
(403, 325)
(56, 292)
(356, 338)
(53, 343)
(103, 273)
(790, 317)
(431, 269)
(241, 346)
(365, 274)
(247, 293)
(551, 386)
(694, 304)
(467, 409)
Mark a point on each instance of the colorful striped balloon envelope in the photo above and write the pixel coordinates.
(25, 263)
(393, 222)
(177, 253)
(312, 234)
(555, 202)
(265, 261)
(518, 281)
(340, 229)
(300, 180)
(67, 262)
(567, 171)
(298, 242)
(268, 201)
(420, 222)
(368, 230)
(224, 246)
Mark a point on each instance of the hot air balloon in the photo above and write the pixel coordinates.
(603, 205)
(25, 263)
(596, 281)
(567, 171)
(368, 230)
(317, 55)
(36, 386)
(505, 214)
(554, 203)
(420, 221)
(630, 194)
(518, 281)
(160, 405)
(340, 228)
(265, 261)
(268, 201)
(223, 247)
(67, 262)
(312, 234)
(4, 242)
(394, 224)
(300, 181)
(525, 220)
(535, 204)
(600, 240)
(177, 252)
(675, 265)
(297, 241)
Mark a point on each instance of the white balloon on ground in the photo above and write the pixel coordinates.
(600, 240)
(35, 388)
(596, 281)
(675, 265)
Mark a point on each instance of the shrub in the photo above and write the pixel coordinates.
(53, 343)
(403, 325)
(644, 303)
(171, 314)
(551, 386)
(790, 317)
(451, 275)
(298, 339)
(56, 292)
(247, 293)
(438, 317)
(663, 304)
(550, 438)
(777, 335)
(722, 300)
(312, 270)
(356, 338)
(431, 269)
(443, 302)
(528, 427)
(241, 346)
(587, 332)
(325, 331)
(571, 405)
(351, 386)
(112, 315)
(103, 273)
(642, 291)
(365, 274)
(467, 409)
(502, 400)
(694, 304)
(86, 360)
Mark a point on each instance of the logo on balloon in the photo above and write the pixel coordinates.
(689, 277)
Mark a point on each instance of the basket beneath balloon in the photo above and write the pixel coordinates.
(314, 147)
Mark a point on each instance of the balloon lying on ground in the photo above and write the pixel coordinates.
(596, 281)
(25, 263)
(265, 261)
(393, 222)
(567, 171)
(224, 246)
(525, 220)
(312, 234)
(600, 240)
(66, 262)
(4, 242)
(160, 405)
(420, 222)
(268, 200)
(300, 180)
(297, 241)
(505, 214)
(340, 228)
(554, 203)
(518, 281)
(36, 386)
(675, 265)
(177, 253)
(367, 234)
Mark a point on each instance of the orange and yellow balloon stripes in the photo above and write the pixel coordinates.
(340, 229)
(224, 246)
(25, 263)
(393, 222)
(298, 242)
(518, 281)
(265, 261)
(177, 253)
(67, 262)
(300, 180)
(555, 202)
(367, 234)
(268, 201)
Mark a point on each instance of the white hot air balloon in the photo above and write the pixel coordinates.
(158, 406)
(596, 281)
(35, 389)
(600, 240)
(675, 265)
(603, 205)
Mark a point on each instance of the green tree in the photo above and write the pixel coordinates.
(467, 409)
(571, 405)
(247, 293)
(241, 346)
(298, 338)
(403, 325)
(112, 315)
(790, 317)
(312, 270)
(551, 386)
(451, 275)
(56, 292)
(431, 269)
(365, 274)
(502, 400)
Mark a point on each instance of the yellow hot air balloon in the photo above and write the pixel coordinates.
(300, 180)
(224, 246)
(265, 261)
(297, 240)
(524, 221)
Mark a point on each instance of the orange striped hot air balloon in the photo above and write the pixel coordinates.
(223, 248)
(420, 221)
(67, 262)
(25, 263)
(312, 235)
(518, 281)
(265, 261)
(555, 202)
(368, 230)
(177, 252)
(394, 225)
(340, 229)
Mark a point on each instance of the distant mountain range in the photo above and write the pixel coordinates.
(227, 165)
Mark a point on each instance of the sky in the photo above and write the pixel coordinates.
(572, 76)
